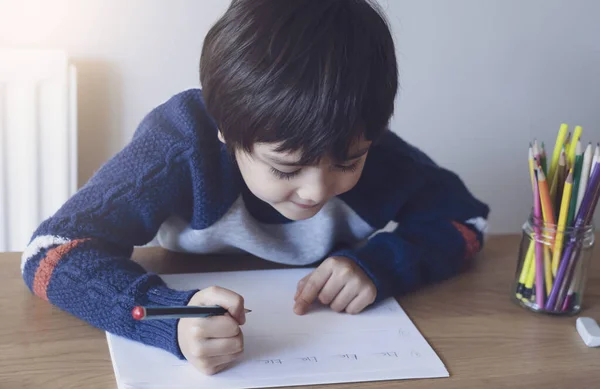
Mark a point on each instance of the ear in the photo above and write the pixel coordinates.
(221, 138)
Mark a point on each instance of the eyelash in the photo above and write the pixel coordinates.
(283, 175)
(288, 176)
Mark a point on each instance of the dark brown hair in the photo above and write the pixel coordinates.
(312, 75)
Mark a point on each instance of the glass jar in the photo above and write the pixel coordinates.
(552, 267)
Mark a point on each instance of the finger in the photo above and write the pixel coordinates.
(300, 285)
(233, 302)
(331, 289)
(346, 295)
(215, 327)
(360, 302)
(311, 289)
(218, 346)
(213, 365)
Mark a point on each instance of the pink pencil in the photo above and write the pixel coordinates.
(539, 260)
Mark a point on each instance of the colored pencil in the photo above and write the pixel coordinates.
(560, 141)
(562, 222)
(561, 175)
(544, 159)
(547, 209)
(573, 146)
(531, 166)
(525, 270)
(571, 295)
(576, 179)
(584, 175)
(530, 252)
(547, 270)
(539, 260)
(596, 158)
(528, 291)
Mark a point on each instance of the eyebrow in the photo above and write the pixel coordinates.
(282, 162)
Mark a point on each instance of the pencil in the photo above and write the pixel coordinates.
(544, 159)
(584, 175)
(528, 290)
(576, 179)
(522, 287)
(547, 270)
(531, 166)
(547, 209)
(572, 294)
(560, 141)
(595, 159)
(562, 221)
(539, 255)
(573, 146)
(525, 270)
(148, 313)
(568, 141)
(561, 173)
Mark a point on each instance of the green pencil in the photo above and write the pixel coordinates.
(544, 160)
(576, 180)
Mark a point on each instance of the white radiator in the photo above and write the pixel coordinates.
(38, 140)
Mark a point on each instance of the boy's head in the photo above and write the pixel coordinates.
(299, 90)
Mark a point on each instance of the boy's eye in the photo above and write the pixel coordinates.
(283, 175)
(348, 168)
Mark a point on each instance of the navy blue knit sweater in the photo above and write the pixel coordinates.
(176, 182)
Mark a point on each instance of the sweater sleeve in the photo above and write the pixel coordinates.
(437, 231)
(79, 258)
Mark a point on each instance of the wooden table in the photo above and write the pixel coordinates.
(484, 339)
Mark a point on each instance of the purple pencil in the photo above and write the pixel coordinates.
(539, 261)
(584, 217)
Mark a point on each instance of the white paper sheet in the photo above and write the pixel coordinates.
(284, 349)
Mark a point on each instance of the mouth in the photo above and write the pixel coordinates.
(304, 206)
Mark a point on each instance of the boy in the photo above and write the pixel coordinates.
(284, 154)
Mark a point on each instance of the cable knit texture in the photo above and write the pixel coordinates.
(79, 259)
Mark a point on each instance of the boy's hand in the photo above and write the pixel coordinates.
(211, 344)
(337, 282)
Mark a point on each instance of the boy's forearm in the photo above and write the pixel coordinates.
(401, 261)
(95, 284)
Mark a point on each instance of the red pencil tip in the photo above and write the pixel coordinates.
(138, 313)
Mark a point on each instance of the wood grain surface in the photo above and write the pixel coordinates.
(484, 339)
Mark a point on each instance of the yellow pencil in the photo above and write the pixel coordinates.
(573, 145)
(547, 270)
(531, 167)
(530, 278)
(560, 141)
(530, 252)
(526, 267)
(562, 221)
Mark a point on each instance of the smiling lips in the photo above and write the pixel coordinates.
(304, 206)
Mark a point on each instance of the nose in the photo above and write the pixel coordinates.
(314, 190)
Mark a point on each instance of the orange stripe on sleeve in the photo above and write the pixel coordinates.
(48, 264)
(472, 245)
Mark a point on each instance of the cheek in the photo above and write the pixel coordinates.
(267, 187)
(346, 181)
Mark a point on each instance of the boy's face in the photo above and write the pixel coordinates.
(298, 192)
